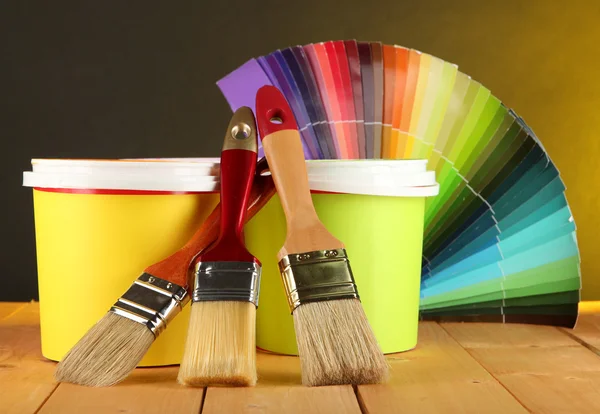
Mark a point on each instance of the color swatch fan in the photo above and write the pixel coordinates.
(500, 240)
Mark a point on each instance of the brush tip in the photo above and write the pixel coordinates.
(336, 344)
(220, 346)
(223, 380)
(106, 354)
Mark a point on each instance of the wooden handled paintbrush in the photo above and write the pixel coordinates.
(336, 344)
(115, 345)
(221, 341)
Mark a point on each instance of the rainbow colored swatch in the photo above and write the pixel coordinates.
(500, 240)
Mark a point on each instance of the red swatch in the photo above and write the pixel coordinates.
(350, 113)
(377, 58)
(319, 51)
(341, 97)
(357, 91)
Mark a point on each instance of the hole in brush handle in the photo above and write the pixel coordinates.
(273, 113)
(276, 116)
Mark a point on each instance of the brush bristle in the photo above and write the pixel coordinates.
(107, 353)
(336, 344)
(220, 347)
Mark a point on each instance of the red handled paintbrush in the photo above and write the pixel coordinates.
(221, 342)
(114, 346)
(335, 342)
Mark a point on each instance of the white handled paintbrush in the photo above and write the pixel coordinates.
(336, 344)
(221, 341)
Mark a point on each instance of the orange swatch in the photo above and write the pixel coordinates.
(389, 71)
(412, 77)
(402, 55)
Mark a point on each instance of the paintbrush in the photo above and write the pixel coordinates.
(114, 346)
(221, 340)
(336, 344)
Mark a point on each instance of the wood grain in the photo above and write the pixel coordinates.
(280, 390)
(438, 376)
(147, 390)
(466, 368)
(305, 232)
(496, 335)
(8, 308)
(545, 369)
(26, 377)
(587, 330)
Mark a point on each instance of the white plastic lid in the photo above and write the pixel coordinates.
(200, 175)
(407, 178)
(138, 167)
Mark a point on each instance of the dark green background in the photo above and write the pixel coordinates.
(137, 79)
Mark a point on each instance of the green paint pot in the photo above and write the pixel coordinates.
(376, 208)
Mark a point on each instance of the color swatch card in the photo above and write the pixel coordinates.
(500, 241)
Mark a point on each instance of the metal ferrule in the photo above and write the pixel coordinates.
(317, 276)
(231, 281)
(152, 301)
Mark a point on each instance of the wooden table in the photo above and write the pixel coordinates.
(456, 368)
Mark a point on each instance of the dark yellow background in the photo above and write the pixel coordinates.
(137, 79)
(541, 58)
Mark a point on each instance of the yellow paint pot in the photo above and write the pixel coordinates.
(98, 225)
(376, 208)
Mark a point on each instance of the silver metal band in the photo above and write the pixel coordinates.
(227, 281)
(151, 301)
(317, 276)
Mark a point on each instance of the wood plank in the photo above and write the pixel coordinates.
(546, 370)
(587, 330)
(280, 390)
(28, 380)
(439, 376)
(490, 335)
(26, 377)
(147, 390)
(8, 308)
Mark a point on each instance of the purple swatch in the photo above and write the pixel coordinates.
(324, 131)
(309, 105)
(368, 83)
(240, 86)
(262, 60)
(267, 69)
(310, 133)
(301, 118)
